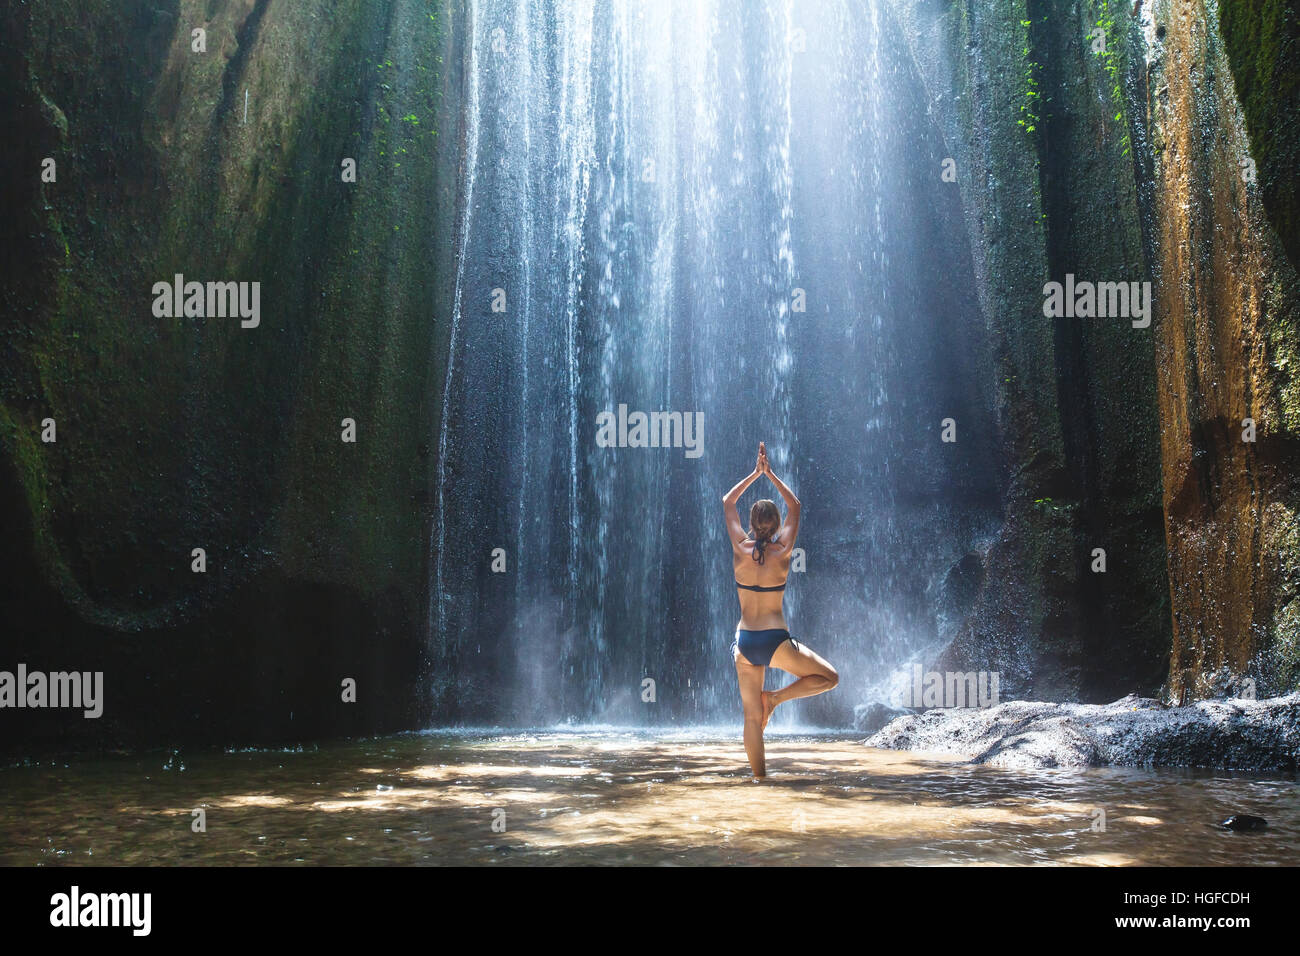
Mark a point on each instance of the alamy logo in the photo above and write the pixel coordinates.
(57, 689)
(210, 300)
(73, 909)
(1100, 300)
(651, 430)
(952, 689)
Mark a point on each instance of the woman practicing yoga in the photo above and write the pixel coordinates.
(762, 563)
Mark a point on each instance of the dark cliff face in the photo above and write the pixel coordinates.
(1128, 162)
(175, 433)
(1261, 41)
(1049, 179)
(1230, 306)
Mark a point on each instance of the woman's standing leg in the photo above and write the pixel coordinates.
(750, 678)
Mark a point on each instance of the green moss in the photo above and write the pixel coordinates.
(1114, 57)
(1281, 307)
(177, 433)
(1029, 109)
(1280, 664)
(1262, 40)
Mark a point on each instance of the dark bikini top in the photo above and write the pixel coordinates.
(755, 587)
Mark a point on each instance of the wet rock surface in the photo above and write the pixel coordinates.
(1233, 734)
(185, 433)
(872, 717)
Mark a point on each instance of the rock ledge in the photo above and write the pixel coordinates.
(1233, 734)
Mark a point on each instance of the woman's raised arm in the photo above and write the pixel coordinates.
(736, 530)
(791, 506)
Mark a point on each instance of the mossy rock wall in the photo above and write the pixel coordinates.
(1048, 174)
(183, 433)
(1229, 304)
(1166, 155)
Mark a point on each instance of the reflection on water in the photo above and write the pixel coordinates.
(608, 796)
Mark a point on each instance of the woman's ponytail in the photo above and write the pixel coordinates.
(764, 521)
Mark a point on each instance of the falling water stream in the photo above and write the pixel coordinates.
(720, 209)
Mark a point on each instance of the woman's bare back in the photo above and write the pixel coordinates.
(761, 610)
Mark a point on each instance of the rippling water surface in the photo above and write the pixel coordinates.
(607, 796)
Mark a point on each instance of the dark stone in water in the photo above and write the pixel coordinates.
(1244, 821)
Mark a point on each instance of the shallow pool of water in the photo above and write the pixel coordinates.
(607, 796)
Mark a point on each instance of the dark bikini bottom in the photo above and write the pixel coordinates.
(757, 647)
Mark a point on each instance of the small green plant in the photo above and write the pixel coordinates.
(1114, 66)
(1029, 117)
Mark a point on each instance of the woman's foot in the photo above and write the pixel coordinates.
(769, 705)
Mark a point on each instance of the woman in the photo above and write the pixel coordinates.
(762, 563)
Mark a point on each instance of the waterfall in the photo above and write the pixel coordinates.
(438, 604)
(703, 208)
